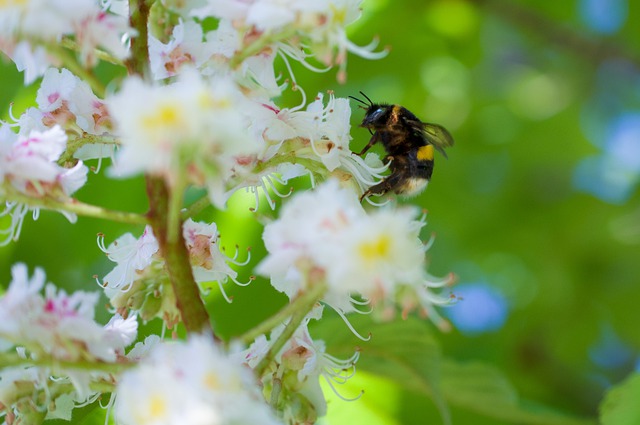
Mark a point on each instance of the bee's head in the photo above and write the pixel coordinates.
(376, 115)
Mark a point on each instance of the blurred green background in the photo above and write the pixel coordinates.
(536, 210)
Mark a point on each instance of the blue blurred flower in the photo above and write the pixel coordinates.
(481, 308)
(610, 351)
(613, 175)
(604, 16)
(623, 141)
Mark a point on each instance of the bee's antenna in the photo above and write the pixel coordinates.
(366, 97)
(359, 100)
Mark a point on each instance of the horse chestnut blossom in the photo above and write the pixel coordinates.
(372, 255)
(50, 332)
(26, 24)
(138, 282)
(300, 363)
(187, 95)
(29, 168)
(193, 383)
(66, 100)
(319, 24)
(191, 125)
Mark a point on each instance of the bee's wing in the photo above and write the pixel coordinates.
(438, 136)
(432, 134)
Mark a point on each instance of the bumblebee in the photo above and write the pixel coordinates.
(409, 144)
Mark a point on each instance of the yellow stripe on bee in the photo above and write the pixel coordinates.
(425, 153)
(395, 113)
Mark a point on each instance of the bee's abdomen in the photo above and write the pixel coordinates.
(412, 186)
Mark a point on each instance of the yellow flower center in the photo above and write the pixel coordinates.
(10, 3)
(155, 409)
(339, 14)
(165, 116)
(211, 381)
(376, 249)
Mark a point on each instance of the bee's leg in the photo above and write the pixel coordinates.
(387, 185)
(374, 139)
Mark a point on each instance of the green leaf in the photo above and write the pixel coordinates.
(484, 389)
(407, 352)
(378, 405)
(403, 351)
(620, 405)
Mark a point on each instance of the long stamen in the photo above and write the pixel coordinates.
(333, 388)
(350, 326)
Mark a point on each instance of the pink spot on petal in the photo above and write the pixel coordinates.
(53, 97)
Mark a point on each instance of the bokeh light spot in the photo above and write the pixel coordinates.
(481, 309)
(452, 18)
(604, 16)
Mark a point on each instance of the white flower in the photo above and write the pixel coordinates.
(191, 383)
(302, 361)
(31, 159)
(318, 24)
(309, 223)
(105, 30)
(138, 283)
(131, 256)
(328, 130)
(65, 99)
(28, 164)
(33, 60)
(373, 255)
(231, 10)
(189, 124)
(54, 329)
(143, 348)
(207, 261)
(36, 21)
(322, 134)
(186, 47)
(59, 324)
(258, 73)
(11, 377)
(225, 40)
(380, 251)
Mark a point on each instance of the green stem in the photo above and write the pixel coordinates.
(197, 207)
(291, 158)
(13, 360)
(173, 250)
(138, 63)
(75, 143)
(304, 303)
(258, 45)
(176, 256)
(70, 44)
(276, 388)
(273, 321)
(175, 205)
(73, 206)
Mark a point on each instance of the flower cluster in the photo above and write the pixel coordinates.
(50, 333)
(30, 31)
(29, 169)
(195, 111)
(377, 256)
(138, 283)
(65, 100)
(297, 367)
(191, 383)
